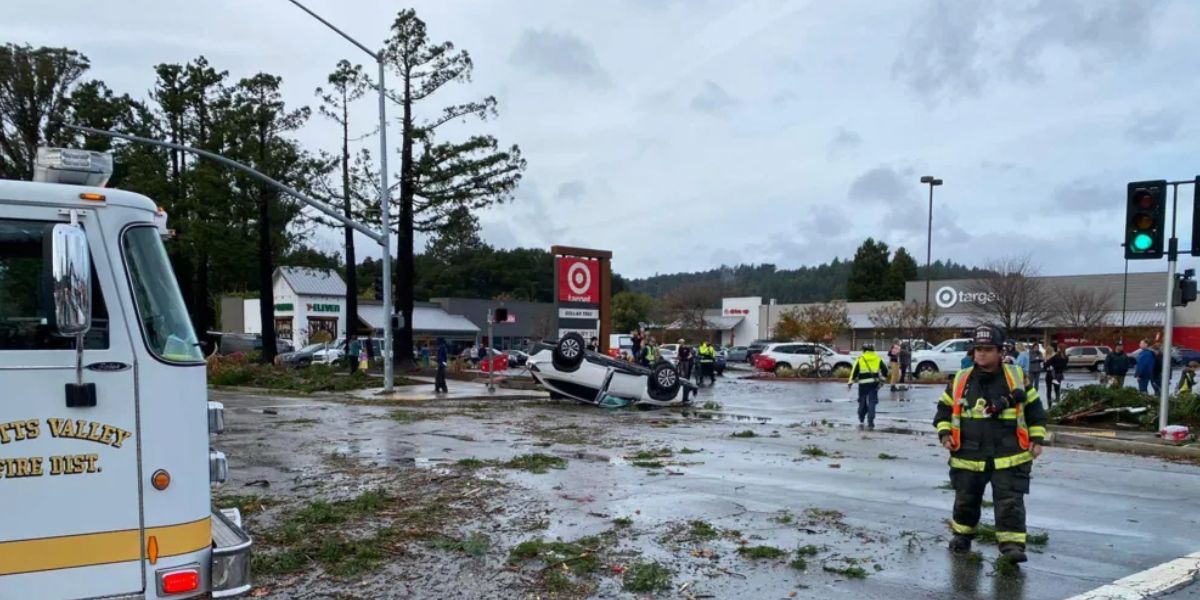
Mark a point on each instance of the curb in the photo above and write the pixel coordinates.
(1060, 439)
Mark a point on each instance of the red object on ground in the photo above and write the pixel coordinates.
(495, 363)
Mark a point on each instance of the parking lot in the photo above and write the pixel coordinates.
(723, 499)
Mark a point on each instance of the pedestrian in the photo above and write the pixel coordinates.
(1022, 359)
(1037, 362)
(473, 356)
(1187, 379)
(992, 422)
(968, 361)
(1116, 365)
(635, 338)
(649, 353)
(905, 359)
(439, 382)
(707, 355)
(1056, 368)
(683, 359)
(352, 351)
(1143, 370)
(868, 372)
(1159, 366)
(369, 348)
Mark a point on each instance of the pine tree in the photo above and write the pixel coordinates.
(868, 273)
(902, 269)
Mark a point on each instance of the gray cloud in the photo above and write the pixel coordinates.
(844, 143)
(571, 190)
(784, 99)
(559, 54)
(881, 184)
(1083, 195)
(1160, 126)
(712, 99)
(958, 47)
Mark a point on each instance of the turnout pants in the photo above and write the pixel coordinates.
(1009, 487)
(868, 397)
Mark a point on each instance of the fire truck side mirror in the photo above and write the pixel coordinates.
(71, 281)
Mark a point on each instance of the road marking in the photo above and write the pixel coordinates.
(1164, 578)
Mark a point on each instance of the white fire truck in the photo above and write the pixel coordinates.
(105, 466)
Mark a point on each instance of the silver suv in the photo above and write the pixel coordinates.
(1087, 357)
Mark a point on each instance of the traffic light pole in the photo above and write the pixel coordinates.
(488, 353)
(1164, 392)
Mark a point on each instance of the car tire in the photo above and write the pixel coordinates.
(926, 367)
(846, 366)
(781, 365)
(1098, 367)
(664, 381)
(568, 352)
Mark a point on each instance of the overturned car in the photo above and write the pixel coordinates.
(567, 369)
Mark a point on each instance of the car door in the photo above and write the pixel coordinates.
(68, 474)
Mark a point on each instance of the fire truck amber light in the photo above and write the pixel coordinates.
(160, 479)
(91, 196)
(181, 581)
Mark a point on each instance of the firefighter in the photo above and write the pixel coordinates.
(992, 421)
(708, 359)
(868, 372)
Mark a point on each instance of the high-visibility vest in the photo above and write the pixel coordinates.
(650, 353)
(706, 353)
(1012, 375)
(867, 371)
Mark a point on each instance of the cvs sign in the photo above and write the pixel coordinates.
(578, 280)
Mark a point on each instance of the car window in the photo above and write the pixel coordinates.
(786, 349)
(959, 346)
(1073, 352)
(1089, 352)
(1104, 350)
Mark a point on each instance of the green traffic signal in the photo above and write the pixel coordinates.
(1142, 242)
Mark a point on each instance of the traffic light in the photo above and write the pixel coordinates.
(1145, 216)
(1185, 288)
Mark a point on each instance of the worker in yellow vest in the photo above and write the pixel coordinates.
(868, 372)
(992, 421)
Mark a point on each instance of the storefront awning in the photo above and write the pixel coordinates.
(723, 323)
(427, 321)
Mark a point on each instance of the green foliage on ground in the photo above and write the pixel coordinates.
(761, 552)
(746, 433)
(1185, 408)
(238, 370)
(535, 463)
(646, 577)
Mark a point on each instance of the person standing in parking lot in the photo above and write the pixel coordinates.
(707, 356)
(868, 372)
(1116, 365)
(439, 382)
(1037, 363)
(352, 351)
(1056, 367)
(893, 363)
(684, 359)
(1160, 366)
(905, 360)
(1143, 370)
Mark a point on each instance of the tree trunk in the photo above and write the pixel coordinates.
(266, 293)
(403, 343)
(351, 269)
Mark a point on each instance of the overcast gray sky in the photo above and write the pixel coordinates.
(685, 135)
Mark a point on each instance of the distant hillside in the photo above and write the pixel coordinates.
(787, 286)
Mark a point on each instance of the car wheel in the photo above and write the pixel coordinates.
(779, 366)
(926, 367)
(843, 365)
(568, 352)
(664, 382)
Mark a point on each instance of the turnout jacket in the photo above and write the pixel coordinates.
(982, 434)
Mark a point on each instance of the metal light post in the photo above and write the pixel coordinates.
(932, 181)
(384, 216)
(1124, 298)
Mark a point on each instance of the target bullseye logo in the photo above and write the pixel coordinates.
(946, 297)
(579, 279)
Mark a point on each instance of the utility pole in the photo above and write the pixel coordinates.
(1164, 392)
(932, 182)
(488, 353)
(384, 209)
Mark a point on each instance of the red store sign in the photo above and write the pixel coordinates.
(578, 280)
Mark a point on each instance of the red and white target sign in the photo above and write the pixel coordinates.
(578, 280)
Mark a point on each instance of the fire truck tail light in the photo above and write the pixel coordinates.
(179, 582)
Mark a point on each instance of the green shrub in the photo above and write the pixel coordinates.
(646, 577)
(786, 372)
(842, 373)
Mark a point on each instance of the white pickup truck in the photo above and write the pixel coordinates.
(945, 357)
(105, 464)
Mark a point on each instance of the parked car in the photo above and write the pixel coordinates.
(737, 354)
(722, 360)
(1181, 356)
(1087, 357)
(802, 356)
(302, 357)
(755, 348)
(494, 361)
(230, 343)
(517, 358)
(568, 370)
(945, 357)
(668, 352)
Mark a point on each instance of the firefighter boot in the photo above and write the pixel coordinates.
(1014, 552)
(960, 544)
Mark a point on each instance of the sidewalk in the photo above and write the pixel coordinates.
(1143, 443)
(459, 390)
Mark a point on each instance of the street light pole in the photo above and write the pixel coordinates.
(932, 181)
(384, 209)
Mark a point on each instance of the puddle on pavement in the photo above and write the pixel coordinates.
(722, 416)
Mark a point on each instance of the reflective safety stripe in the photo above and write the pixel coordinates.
(1005, 537)
(1008, 462)
(961, 529)
(944, 426)
(947, 400)
(1008, 415)
(977, 466)
(1032, 397)
(1012, 376)
(1037, 431)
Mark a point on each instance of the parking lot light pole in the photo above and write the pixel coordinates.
(384, 209)
(932, 181)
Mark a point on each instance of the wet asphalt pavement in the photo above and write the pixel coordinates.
(1107, 515)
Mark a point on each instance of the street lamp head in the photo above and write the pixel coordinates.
(936, 182)
(927, 179)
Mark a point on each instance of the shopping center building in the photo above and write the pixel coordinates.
(1136, 302)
